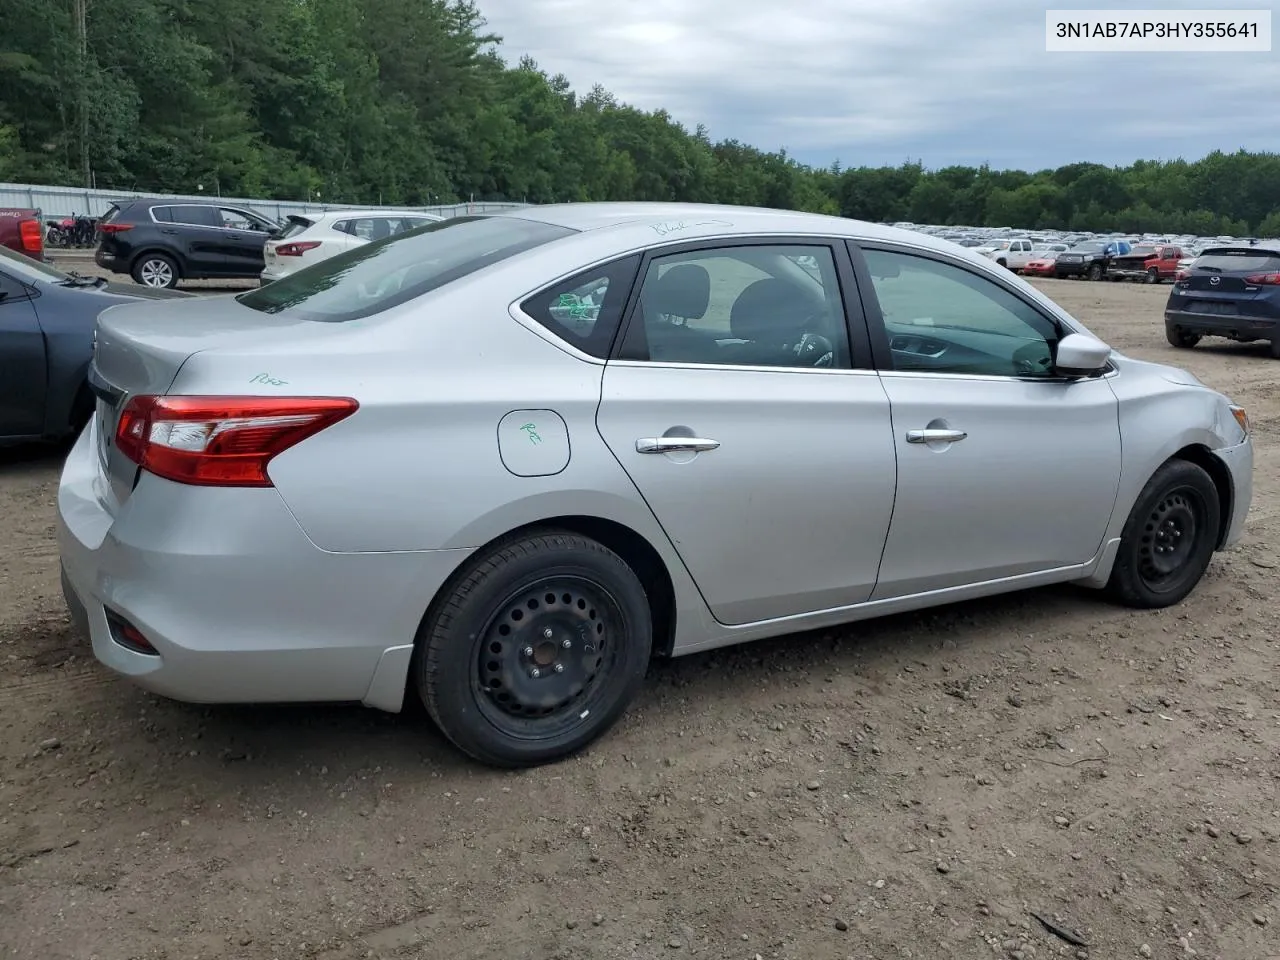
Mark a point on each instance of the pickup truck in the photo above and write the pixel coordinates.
(1012, 254)
(1145, 262)
(22, 230)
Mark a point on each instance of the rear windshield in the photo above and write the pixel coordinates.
(295, 227)
(386, 273)
(1248, 260)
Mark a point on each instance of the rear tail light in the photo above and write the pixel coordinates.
(1264, 279)
(1181, 275)
(221, 441)
(296, 249)
(114, 227)
(32, 238)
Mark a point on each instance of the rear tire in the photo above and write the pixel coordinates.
(536, 650)
(1168, 539)
(1180, 338)
(1275, 349)
(155, 270)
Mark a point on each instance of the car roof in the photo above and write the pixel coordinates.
(729, 218)
(328, 215)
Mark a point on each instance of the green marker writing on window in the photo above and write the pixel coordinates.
(531, 430)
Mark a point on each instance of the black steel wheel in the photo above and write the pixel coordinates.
(535, 650)
(1169, 537)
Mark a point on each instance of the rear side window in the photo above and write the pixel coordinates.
(1248, 259)
(195, 215)
(586, 310)
(161, 214)
(377, 276)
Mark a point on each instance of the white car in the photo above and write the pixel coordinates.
(1014, 254)
(310, 239)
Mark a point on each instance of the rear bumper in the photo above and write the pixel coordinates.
(1215, 325)
(239, 605)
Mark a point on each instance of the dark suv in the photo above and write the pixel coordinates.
(159, 242)
(1230, 291)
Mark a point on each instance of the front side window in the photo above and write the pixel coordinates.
(941, 318)
(376, 276)
(767, 305)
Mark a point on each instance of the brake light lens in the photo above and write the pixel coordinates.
(1264, 279)
(31, 237)
(114, 227)
(1181, 275)
(296, 249)
(221, 441)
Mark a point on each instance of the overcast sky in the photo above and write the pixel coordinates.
(881, 81)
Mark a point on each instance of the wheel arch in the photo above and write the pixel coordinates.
(1218, 472)
(635, 550)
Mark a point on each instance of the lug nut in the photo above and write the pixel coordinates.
(528, 651)
(535, 673)
(547, 633)
(566, 643)
(559, 668)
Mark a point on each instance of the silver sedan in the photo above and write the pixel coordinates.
(501, 461)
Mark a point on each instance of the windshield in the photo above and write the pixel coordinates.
(26, 268)
(386, 273)
(1089, 246)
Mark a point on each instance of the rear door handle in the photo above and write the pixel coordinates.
(935, 436)
(674, 444)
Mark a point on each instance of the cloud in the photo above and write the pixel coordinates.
(880, 81)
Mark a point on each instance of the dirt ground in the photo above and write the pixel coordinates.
(914, 787)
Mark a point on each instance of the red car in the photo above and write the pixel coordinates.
(1041, 265)
(20, 230)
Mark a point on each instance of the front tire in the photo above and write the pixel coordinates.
(1169, 538)
(1153, 275)
(536, 651)
(1095, 271)
(156, 270)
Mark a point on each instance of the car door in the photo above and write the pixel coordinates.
(23, 371)
(196, 229)
(1004, 469)
(245, 237)
(743, 411)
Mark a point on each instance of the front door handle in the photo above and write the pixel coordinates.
(935, 436)
(674, 444)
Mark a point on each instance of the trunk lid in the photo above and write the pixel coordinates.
(140, 347)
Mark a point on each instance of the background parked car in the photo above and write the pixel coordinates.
(1089, 259)
(308, 240)
(1147, 263)
(46, 343)
(159, 242)
(20, 230)
(1013, 254)
(1230, 291)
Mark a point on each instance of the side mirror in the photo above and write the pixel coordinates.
(1080, 355)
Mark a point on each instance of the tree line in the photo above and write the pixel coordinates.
(411, 102)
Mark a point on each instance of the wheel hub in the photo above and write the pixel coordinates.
(1168, 537)
(543, 650)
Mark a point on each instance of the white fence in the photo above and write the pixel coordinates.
(58, 202)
